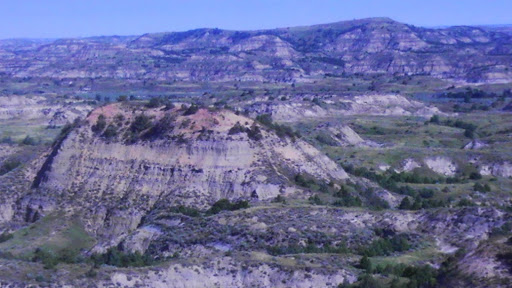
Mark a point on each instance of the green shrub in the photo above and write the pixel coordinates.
(119, 119)
(237, 128)
(265, 119)
(281, 130)
(387, 246)
(465, 203)
(481, 188)
(162, 127)
(91, 273)
(254, 133)
(368, 281)
(366, 264)
(315, 200)
(326, 139)
(435, 119)
(30, 141)
(226, 205)
(68, 255)
(101, 123)
(110, 132)
(301, 181)
(475, 176)
(140, 123)
(9, 165)
(405, 204)
(154, 102)
(46, 257)
(279, 199)
(191, 110)
(310, 248)
(423, 276)
(189, 211)
(5, 237)
(122, 98)
(116, 257)
(346, 199)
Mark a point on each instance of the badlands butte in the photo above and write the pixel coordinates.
(365, 153)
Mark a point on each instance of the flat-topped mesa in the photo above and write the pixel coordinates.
(193, 156)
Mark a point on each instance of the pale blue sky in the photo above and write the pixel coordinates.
(80, 18)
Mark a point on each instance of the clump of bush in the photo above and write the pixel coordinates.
(326, 139)
(424, 276)
(236, 129)
(301, 180)
(309, 248)
(101, 123)
(118, 258)
(191, 110)
(386, 246)
(475, 175)
(346, 199)
(466, 203)
(110, 132)
(254, 133)
(156, 102)
(417, 203)
(5, 237)
(9, 165)
(188, 211)
(226, 205)
(482, 188)
(163, 126)
(140, 123)
(315, 200)
(30, 141)
(281, 130)
(51, 259)
(279, 199)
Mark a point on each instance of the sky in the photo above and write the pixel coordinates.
(83, 18)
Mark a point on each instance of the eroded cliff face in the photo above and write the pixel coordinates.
(177, 159)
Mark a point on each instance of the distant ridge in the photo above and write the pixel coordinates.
(371, 45)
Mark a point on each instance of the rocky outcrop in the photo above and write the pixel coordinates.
(342, 135)
(475, 145)
(194, 160)
(408, 165)
(441, 165)
(503, 169)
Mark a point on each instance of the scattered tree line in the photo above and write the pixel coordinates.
(50, 259)
(469, 128)
(116, 257)
(217, 207)
(309, 248)
(470, 94)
